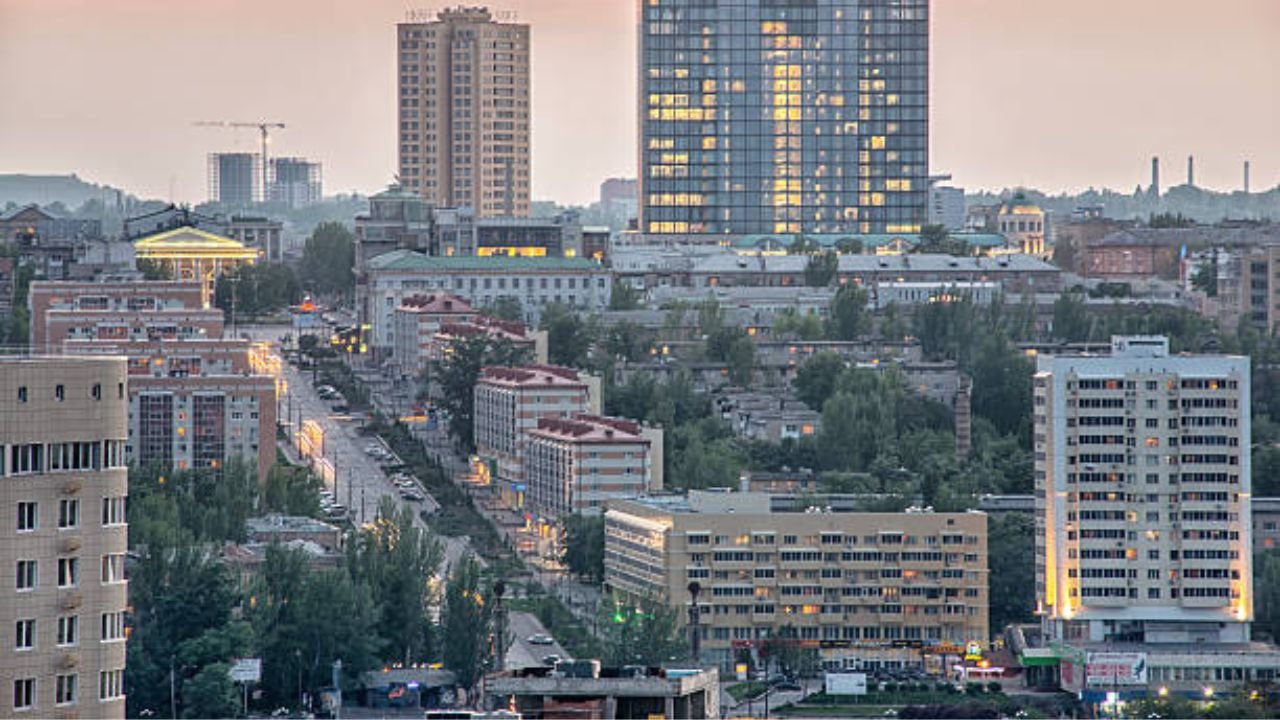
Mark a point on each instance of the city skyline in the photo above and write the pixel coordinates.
(1006, 110)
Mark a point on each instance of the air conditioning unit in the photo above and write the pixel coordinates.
(69, 661)
(71, 601)
(72, 487)
(71, 544)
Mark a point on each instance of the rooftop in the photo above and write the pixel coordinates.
(436, 303)
(411, 261)
(865, 264)
(532, 376)
(286, 523)
(589, 428)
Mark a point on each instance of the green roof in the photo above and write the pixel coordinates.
(411, 260)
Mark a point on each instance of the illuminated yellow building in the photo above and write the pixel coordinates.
(193, 254)
(1022, 223)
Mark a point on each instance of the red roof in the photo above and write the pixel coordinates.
(441, 303)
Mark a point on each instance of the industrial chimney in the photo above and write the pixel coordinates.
(1246, 177)
(1155, 176)
(1191, 171)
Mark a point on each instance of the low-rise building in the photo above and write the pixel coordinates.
(864, 590)
(417, 320)
(767, 417)
(533, 282)
(260, 233)
(130, 310)
(576, 464)
(631, 693)
(286, 528)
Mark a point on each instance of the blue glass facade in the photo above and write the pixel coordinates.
(784, 116)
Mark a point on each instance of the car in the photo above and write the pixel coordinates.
(551, 660)
(341, 408)
(539, 639)
(788, 686)
(412, 495)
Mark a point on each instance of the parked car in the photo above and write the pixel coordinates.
(539, 639)
(551, 660)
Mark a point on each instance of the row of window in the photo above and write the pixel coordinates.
(28, 572)
(78, 456)
(66, 689)
(113, 513)
(111, 629)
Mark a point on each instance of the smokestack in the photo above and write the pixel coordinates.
(1246, 177)
(1155, 176)
(1191, 170)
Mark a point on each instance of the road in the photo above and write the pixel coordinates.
(358, 480)
(520, 652)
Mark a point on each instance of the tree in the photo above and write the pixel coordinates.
(154, 270)
(505, 307)
(1070, 318)
(624, 296)
(742, 360)
(1011, 552)
(210, 694)
(291, 490)
(640, 631)
(850, 318)
(803, 245)
(1206, 277)
(822, 269)
(790, 323)
(328, 260)
(815, 381)
(568, 337)
(465, 622)
(849, 246)
(584, 545)
(626, 340)
(783, 647)
(456, 377)
(937, 240)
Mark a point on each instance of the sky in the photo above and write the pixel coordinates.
(1055, 94)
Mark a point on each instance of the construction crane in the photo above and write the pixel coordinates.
(265, 129)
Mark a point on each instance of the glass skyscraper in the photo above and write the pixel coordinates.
(784, 116)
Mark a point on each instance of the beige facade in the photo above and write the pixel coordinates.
(63, 536)
(1143, 496)
(510, 401)
(576, 465)
(464, 111)
(151, 310)
(870, 590)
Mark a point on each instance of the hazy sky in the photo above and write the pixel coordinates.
(1059, 94)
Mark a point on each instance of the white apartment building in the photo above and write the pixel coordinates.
(575, 465)
(63, 536)
(534, 282)
(510, 401)
(1143, 496)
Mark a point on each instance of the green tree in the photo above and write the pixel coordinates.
(292, 490)
(1070, 318)
(569, 338)
(397, 560)
(849, 246)
(783, 648)
(210, 693)
(789, 323)
(850, 318)
(822, 269)
(466, 625)
(640, 631)
(742, 361)
(937, 240)
(803, 245)
(626, 340)
(584, 545)
(624, 297)
(815, 381)
(505, 307)
(456, 377)
(1206, 277)
(328, 260)
(1011, 551)
(153, 270)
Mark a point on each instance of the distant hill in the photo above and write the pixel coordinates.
(69, 190)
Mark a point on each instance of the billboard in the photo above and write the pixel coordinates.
(846, 683)
(1105, 669)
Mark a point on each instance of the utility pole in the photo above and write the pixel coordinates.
(173, 695)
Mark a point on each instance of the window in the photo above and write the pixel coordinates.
(60, 392)
(113, 568)
(112, 511)
(68, 572)
(24, 693)
(110, 684)
(24, 635)
(22, 393)
(68, 514)
(112, 626)
(28, 516)
(68, 630)
(65, 690)
(27, 575)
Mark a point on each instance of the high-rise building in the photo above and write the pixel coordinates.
(295, 181)
(1142, 496)
(63, 537)
(759, 116)
(866, 590)
(464, 111)
(235, 179)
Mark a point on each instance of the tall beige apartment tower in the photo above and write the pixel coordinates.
(464, 111)
(63, 537)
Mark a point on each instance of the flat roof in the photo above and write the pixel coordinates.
(409, 260)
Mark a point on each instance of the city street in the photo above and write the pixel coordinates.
(521, 653)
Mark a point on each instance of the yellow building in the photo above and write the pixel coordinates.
(193, 254)
(1022, 223)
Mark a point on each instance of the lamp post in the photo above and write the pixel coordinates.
(500, 629)
(695, 635)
